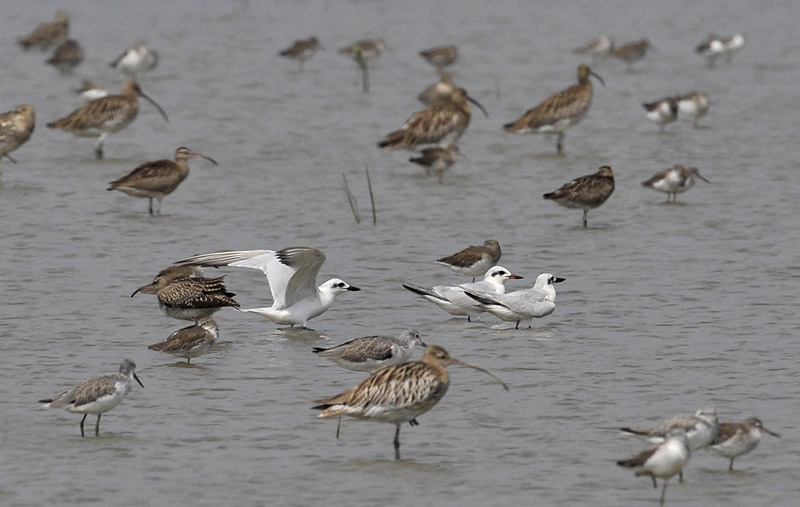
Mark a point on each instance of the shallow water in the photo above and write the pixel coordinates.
(666, 309)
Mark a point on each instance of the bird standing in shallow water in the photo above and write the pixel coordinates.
(474, 260)
(106, 115)
(560, 111)
(67, 56)
(735, 439)
(49, 34)
(137, 58)
(536, 302)
(156, 179)
(631, 52)
(16, 128)
(398, 394)
(587, 192)
(694, 104)
(662, 111)
(97, 395)
(441, 123)
(371, 353)
(663, 460)
(440, 56)
(191, 341)
(301, 50)
(437, 159)
(674, 180)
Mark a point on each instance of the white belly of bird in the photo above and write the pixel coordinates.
(104, 403)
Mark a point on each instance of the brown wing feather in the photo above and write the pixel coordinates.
(639, 460)
(564, 104)
(156, 175)
(94, 113)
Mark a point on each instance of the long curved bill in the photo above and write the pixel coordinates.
(200, 155)
(163, 114)
(483, 109)
(598, 77)
(150, 288)
(475, 366)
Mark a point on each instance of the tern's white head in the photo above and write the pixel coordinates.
(497, 275)
(545, 281)
(336, 286)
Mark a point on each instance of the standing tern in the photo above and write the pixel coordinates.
(538, 301)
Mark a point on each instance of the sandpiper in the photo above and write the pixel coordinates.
(97, 395)
(694, 105)
(301, 50)
(292, 277)
(191, 341)
(67, 56)
(663, 460)
(437, 159)
(454, 299)
(89, 90)
(438, 92)
(560, 111)
(701, 428)
(371, 353)
(674, 180)
(398, 394)
(47, 35)
(587, 192)
(440, 56)
(474, 260)
(733, 44)
(600, 46)
(156, 179)
(361, 52)
(183, 294)
(16, 128)
(632, 51)
(135, 59)
(440, 123)
(735, 439)
(662, 111)
(536, 302)
(711, 48)
(106, 115)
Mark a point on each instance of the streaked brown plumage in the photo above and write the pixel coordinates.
(560, 111)
(674, 180)
(16, 128)
(440, 56)
(587, 192)
(437, 159)
(398, 394)
(106, 115)
(371, 353)
(735, 439)
(47, 35)
(631, 52)
(191, 341)
(67, 56)
(301, 50)
(183, 294)
(474, 260)
(156, 179)
(441, 124)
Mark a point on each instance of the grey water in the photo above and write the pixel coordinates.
(665, 309)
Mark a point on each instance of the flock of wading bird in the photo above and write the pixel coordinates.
(398, 390)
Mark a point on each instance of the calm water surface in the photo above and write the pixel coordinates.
(666, 309)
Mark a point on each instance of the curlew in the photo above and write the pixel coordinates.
(16, 128)
(135, 59)
(674, 180)
(301, 50)
(442, 124)
(67, 56)
(587, 192)
(183, 294)
(97, 395)
(106, 115)
(560, 111)
(47, 35)
(159, 178)
(440, 56)
(191, 341)
(735, 439)
(398, 394)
